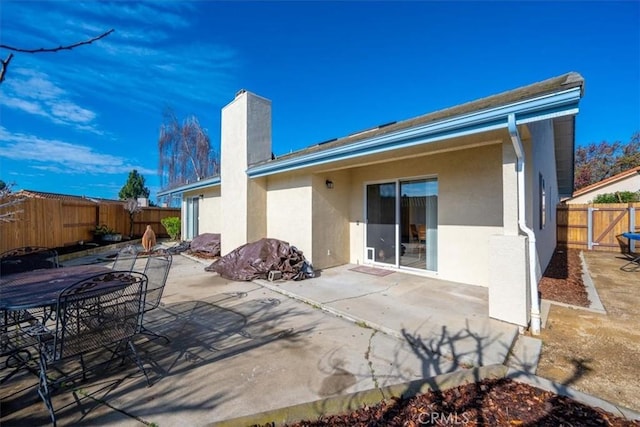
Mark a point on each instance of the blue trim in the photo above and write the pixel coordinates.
(547, 106)
(209, 182)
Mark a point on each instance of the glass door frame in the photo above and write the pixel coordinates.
(193, 217)
(368, 259)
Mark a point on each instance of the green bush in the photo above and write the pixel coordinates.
(102, 230)
(172, 225)
(618, 197)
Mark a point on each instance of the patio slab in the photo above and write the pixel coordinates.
(447, 317)
(239, 348)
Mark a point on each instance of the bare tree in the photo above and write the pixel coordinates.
(4, 63)
(133, 207)
(185, 152)
(8, 203)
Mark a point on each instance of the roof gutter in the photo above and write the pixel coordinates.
(522, 223)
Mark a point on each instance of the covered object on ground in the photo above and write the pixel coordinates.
(256, 259)
(206, 244)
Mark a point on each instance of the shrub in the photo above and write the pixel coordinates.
(618, 197)
(172, 225)
(102, 230)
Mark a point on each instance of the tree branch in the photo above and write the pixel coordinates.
(11, 215)
(56, 49)
(5, 64)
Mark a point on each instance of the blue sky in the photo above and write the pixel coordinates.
(77, 122)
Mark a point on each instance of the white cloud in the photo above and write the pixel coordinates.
(62, 157)
(23, 105)
(68, 111)
(35, 93)
(33, 85)
(153, 58)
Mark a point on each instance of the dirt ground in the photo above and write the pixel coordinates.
(598, 353)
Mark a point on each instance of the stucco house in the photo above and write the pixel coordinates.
(628, 180)
(465, 194)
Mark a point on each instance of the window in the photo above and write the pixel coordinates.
(543, 203)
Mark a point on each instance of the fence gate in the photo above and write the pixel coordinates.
(604, 224)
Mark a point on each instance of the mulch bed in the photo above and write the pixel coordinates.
(562, 280)
(492, 402)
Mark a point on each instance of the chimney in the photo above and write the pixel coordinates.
(245, 140)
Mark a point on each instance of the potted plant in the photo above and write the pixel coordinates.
(106, 234)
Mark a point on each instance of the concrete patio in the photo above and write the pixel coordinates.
(239, 348)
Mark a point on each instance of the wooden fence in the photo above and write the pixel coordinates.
(59, 222)
(597, 226)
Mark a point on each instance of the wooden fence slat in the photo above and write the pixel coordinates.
(609, 222)
(56, 223)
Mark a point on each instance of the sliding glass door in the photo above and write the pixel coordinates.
(419, 223)
(402, 223)
(381, 223)
(193, 217)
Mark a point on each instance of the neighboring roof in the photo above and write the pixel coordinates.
(67, 197)
(615, 178)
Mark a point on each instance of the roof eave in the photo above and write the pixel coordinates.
(209, 182)
(544, 107)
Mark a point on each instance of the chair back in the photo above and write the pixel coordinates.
(422, 232)
(126, 259)
(27, 258)
(95, 313)
(414, 231)
(156, 270)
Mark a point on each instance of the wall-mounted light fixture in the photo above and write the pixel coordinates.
(329, 184)
(202, 196)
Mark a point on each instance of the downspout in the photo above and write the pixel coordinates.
(522, 223)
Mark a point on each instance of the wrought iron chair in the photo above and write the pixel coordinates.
(157, 270)
(126, 259)
(15, 344)
(102, 312)
(27, 258)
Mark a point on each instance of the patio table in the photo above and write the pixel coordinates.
(32, 295)
(40, 288)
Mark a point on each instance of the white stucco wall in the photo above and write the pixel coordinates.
(210, 220)
(541, 151)
(245, 139)
(330, 219)
(256, 209)
(508, 272)
(630, 183)
(289, 210)
(469, 207)
(508, 289)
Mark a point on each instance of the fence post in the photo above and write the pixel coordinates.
(632, 227)
(590, 228)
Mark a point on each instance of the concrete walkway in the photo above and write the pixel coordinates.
(239, 348)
